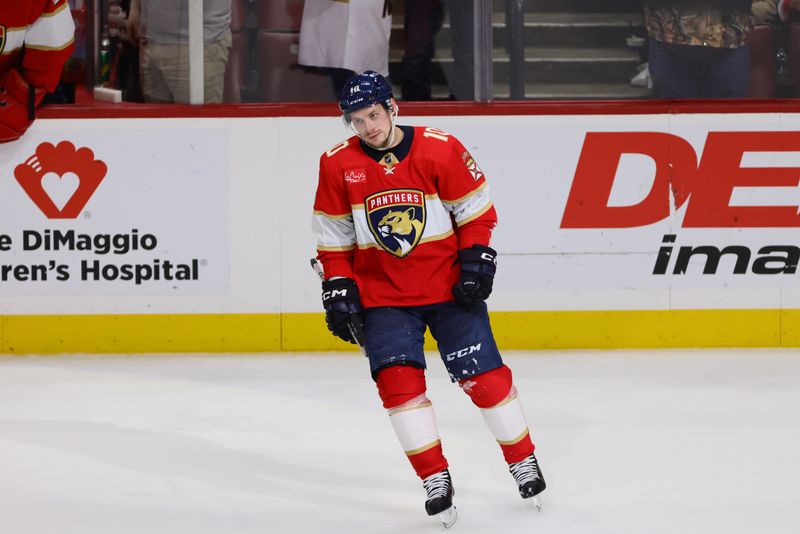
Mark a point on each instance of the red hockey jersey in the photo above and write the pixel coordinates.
(36, 39)
(395, 225)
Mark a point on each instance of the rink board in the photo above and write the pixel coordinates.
(23, 334)
(639, 228)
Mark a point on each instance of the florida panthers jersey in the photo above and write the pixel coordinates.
(394, 220)
(45, 31)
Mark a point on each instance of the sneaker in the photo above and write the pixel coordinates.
(439, 488)
(634, 41)
(643, 79)
(528, 476)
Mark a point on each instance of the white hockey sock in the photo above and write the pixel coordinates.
(414, 423)
(506, 419)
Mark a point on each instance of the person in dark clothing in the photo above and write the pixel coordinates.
(698, 48)
(423, 21)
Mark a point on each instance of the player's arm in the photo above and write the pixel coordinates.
(475, 216)
(333, 227)
(465, 194)
(332, 224)
(46, 45)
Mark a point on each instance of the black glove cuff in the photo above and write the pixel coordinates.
(478, 259)
(339, 289)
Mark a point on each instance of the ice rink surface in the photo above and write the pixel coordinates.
(629, 442)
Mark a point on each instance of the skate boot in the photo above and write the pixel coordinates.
(439, 488)
(529, 479)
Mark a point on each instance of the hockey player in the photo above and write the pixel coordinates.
(403, 221)
(36, 39)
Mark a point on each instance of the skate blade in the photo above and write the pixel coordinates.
(448, 517)
(534, 502)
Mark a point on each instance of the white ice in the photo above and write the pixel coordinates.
(629, 442)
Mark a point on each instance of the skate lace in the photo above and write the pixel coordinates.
(437, 485)
(525, 471)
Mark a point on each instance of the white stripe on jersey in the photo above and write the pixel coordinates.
(333, 232)
(437, 223)
(470, 206)
(15, 38)
(52, 31)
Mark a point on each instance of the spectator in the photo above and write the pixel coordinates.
(462, 35)
(698, 48)
(342, 38)
(771, 11)
(423, 20)
(162, 28)
(125, 72)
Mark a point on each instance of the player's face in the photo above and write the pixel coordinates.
(372, 124)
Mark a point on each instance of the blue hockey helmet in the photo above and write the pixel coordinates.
(364, 90)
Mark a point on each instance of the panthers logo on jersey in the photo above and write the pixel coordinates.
(2, 38)
(396, 219)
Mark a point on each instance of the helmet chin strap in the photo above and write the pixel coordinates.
(388, 144)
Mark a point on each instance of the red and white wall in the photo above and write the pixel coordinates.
(138, 233)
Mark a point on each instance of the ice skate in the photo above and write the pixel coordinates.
(529, 479)
(439, 488)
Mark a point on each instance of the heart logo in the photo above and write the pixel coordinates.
(61, 188)
(59, 179)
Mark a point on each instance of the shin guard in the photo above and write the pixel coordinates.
(494, 393)
(402, 390)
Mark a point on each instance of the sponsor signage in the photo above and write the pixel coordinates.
(717, 190)
(87, 218)
(680, 211)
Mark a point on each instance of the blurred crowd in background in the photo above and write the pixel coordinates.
(304, 50)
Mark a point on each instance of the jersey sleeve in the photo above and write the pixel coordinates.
(49, 42)
(465, 193)
(332, 223)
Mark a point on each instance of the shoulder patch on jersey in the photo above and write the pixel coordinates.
(396, 219)
(2, 38)
(355, 176)
(472, 167)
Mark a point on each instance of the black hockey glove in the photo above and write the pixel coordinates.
(343, 312)
(478, 265)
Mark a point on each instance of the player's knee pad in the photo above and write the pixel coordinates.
(400, 384)
(490, 388)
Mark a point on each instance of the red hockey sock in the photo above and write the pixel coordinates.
(516, 452)
(429, 462)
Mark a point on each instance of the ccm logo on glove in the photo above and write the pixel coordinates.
(343, 312)
(334, 293)
(478, 265)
